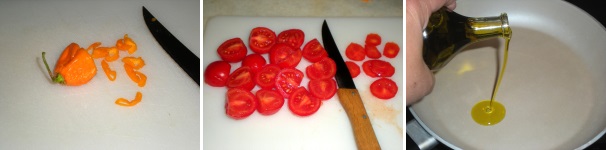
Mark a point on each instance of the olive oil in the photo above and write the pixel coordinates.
(485, 114)
(447, 33)
(491, 112)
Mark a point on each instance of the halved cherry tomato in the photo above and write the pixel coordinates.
(323, 69)
(378, 68)
(254, 61)
(372, 51)
(354, 69)
(232, 50)
(240, 103)
(288, 80)
(384, 88)
(391, 50)
(373, 39)
(266, 77)
(241, 78)
(302, 103)
(355, 52)
(313, 51)
(323, 89)
(216, 73)
(285, 55)
(293, 37)
(261, 40)
(270, 102)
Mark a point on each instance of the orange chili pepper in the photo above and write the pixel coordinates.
(111, 75)
(136, 63)
(74, 67)
(112, 54)
(143, 79)
(135, 76)
(131, 73)
(100, 52)
(127, 44)
(125, 102)
(93, 46)
(121, 45)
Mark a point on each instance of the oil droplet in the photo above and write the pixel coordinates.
(486, 115)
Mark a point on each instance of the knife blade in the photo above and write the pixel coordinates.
(188, 61)
(349, 97)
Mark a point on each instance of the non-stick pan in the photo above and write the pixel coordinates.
(554, 87)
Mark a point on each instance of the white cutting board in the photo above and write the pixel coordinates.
(36, 114)
(329, 128)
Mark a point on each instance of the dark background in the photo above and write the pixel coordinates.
(593, 8)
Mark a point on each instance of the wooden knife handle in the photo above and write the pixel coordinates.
(364, 134)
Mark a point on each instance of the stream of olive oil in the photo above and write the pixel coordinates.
(491, 112)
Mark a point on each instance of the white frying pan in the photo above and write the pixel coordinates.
(554, 87)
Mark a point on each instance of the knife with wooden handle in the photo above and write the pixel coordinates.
(349, 97)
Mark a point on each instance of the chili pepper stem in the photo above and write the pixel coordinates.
(57, 79)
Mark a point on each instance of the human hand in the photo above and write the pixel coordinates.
(419, 79)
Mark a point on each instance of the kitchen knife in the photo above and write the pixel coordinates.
(349, 97)
(187, 60)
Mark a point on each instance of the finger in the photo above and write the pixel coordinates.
(451, 4)
(434, 5)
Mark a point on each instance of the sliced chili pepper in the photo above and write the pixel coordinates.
(143, 79)
(135, 76)
(100, 52)
(93, 46)
(130, 42)
(74, 67)
(113, 54)
(121, 45)
(136, 63)
(111, 75)
(125, 102)
(130, 71)
(127, 44)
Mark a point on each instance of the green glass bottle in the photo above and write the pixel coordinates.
(448, 32)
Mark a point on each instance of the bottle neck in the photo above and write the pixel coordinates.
(488, 27)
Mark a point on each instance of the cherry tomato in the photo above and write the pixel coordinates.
(285, 55)
(355, 52)
(270, 102)
(323, 89)
(354, 69)
(373, 39)
(302, 103)
(313, 51)
(384, 88)
(240, 103)
(241, 78)
(266, 77)
(216, 73)
(372, 51)
(254, 61)
(232, 50)
(391, 50)
(323, 69)
(288, 80)
(261, 40)
(292, 37)
(378, 68)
